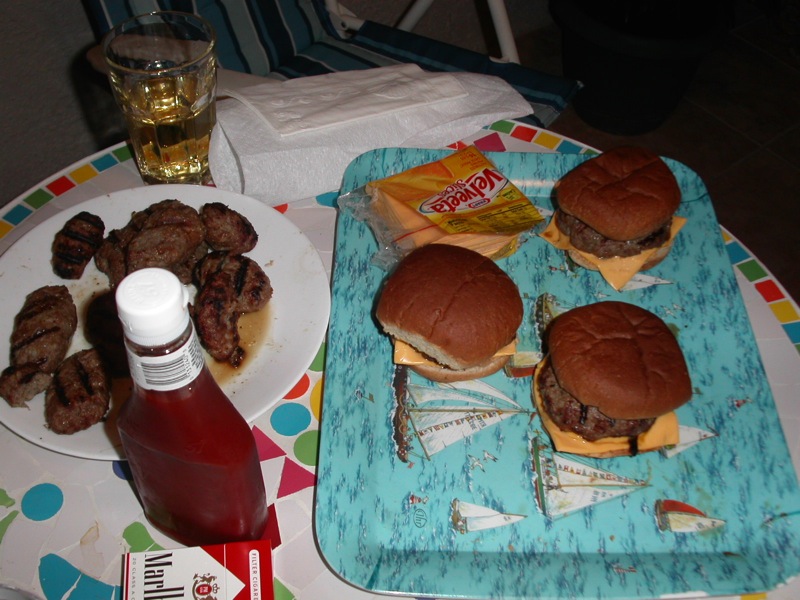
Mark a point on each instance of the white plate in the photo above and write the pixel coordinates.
(298, 312)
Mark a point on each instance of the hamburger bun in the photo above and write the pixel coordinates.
(624, 194)
(453, 305)
(442, 374)
(613, 376)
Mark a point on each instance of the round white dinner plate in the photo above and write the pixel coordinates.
(297, 313)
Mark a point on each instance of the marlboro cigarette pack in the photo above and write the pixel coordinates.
(237, 571)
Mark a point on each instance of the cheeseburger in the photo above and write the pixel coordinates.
(616, 213)
(453, 313)
(612, 377)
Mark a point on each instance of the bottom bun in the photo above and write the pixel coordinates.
(442, 374)
(651, 262)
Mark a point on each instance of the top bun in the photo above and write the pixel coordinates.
(624, 194)
(620, 358)
(452, 304)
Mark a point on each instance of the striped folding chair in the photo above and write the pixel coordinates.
(284, 39)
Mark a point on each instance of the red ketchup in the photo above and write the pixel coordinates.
(193, 456)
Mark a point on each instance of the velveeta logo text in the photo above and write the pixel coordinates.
(462, 195)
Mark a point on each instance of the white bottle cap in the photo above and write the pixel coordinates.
(153, 306)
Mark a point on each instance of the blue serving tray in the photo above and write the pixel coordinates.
(530, 522)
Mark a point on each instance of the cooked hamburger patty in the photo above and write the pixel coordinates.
(583, 237)
(79, 395)
(587, 421)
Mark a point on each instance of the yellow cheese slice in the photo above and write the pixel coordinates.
(407, 355)
(664, 432)
(617, 271)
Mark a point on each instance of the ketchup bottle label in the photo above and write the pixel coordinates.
(170, 372)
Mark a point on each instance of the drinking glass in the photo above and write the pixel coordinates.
(162, 68)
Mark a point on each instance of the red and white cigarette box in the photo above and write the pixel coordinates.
(236, 571)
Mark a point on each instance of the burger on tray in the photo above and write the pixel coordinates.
(611, 380)
(616, 213)
(453, 313)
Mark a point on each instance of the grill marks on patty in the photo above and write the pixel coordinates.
(587, 421)
(229, 285)
(76, 243)
(587, 239)
(42, 333)
(79, 394)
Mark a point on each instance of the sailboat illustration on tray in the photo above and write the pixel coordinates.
(564, 485)
(688, 437)
(445, 414)
(679, 517)
(467, 517)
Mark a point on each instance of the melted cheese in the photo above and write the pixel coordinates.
(407, 355)
(616, 270)
(664, 432)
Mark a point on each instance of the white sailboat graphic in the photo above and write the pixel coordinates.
(679, 517)
(642, 280)
(688, 437)
(446, 414)
(565, 485)
(468, 517)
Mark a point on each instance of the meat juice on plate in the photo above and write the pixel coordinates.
(170, 122)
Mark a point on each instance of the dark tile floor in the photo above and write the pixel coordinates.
(738, 127)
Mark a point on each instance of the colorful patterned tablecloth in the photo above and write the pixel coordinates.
(66, 522)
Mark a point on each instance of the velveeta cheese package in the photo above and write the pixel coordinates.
(235, 571)
(462, 199)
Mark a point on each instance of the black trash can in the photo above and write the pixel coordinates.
(635, 58)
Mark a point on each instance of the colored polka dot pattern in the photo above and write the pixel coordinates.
(316, 399)
(300, 388)
(42, 502)
(305, 447)
(290, 418)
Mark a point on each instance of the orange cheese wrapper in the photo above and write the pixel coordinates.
(462, 199)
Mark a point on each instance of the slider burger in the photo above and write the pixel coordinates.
(453, 313)
(613, 376)
(616, 213)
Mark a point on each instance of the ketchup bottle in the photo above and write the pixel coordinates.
(193, 456)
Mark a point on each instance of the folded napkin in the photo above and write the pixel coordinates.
(279, 155)
(308, 103)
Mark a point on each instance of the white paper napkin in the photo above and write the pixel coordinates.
(250, 156)
(309, 103)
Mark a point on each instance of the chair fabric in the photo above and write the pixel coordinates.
(285, 39)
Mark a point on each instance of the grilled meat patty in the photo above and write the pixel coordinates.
(20, 384)
(250, 285)
(228, 285)
(168, 234)
(43, 329)
(76, 243)
(585, 238)
(79, 395)
(587, 421)
(42, 333)
(227, 230)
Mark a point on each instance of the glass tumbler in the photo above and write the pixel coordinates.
(162, 68)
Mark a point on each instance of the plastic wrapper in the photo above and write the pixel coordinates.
(461, 199)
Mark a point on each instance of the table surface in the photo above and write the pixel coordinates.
(65, 522)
